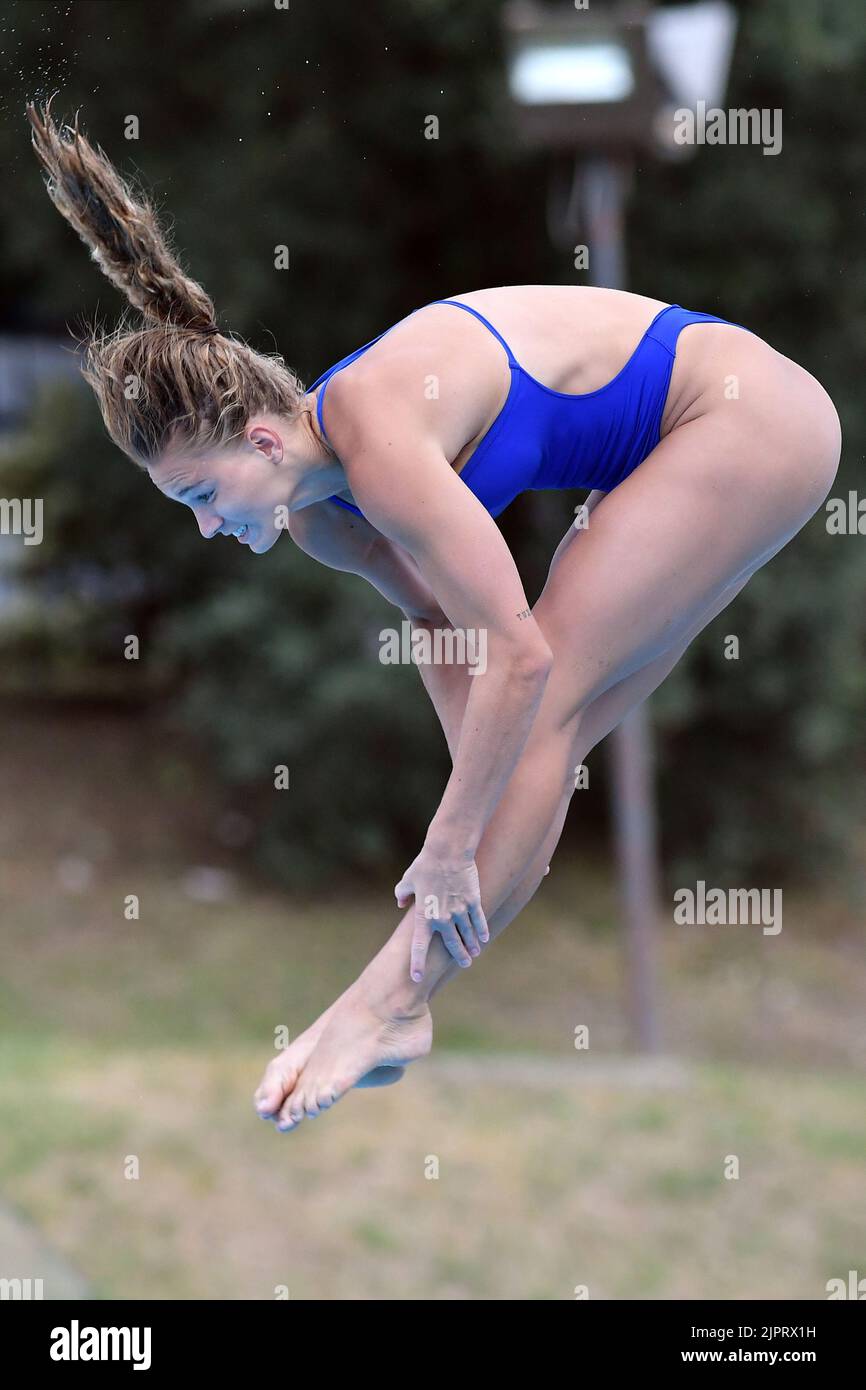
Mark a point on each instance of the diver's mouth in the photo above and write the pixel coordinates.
(241, 533)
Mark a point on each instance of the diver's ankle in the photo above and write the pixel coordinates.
(392, 998)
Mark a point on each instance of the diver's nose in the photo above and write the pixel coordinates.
(209, 525)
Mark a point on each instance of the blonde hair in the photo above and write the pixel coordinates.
(174, 379)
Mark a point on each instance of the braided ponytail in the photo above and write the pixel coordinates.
(119, 225)
(196, 386)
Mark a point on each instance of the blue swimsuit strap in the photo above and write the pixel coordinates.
(326, 377)
(512, 360)
(347, 361)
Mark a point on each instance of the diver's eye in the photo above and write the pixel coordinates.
(206, 496)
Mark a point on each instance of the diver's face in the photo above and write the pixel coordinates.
(240, 490)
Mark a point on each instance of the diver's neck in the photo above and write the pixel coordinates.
(320, 473)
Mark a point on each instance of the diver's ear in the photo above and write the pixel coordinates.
(269, 444)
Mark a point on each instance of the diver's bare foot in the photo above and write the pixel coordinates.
(283, 1071)
(359, 1038)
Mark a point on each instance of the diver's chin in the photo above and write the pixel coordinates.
(264, 542)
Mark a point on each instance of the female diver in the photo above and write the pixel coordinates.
(705, 449)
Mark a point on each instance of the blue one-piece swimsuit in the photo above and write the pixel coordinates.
(543, 439)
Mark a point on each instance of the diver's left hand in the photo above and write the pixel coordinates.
(448, 900)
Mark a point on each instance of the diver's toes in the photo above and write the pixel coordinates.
(275, 1086)
(292, 1112)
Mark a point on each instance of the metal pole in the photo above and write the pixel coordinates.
(635, 836)
(604, 191)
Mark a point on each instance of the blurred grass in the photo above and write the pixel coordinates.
(540, 1187)
(146, 1038)
(193, 973)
